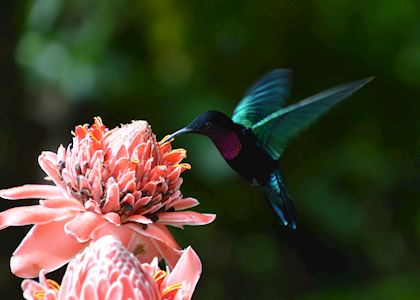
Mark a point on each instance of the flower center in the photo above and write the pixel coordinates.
(123, 170)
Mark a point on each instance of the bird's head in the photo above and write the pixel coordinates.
(210, 123)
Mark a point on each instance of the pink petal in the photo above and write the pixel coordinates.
(115, 291)
(130, 187)
(173, 199)
(83, 224)
(142, 202)
(112, 202)
(168, 233)
(96, 171)
(181, 218)
(123, 151)
(68, 203)
(31, 191)
(175, 156)
(126, 178)
(154, 232)
(134, 142)
(147, 152)
(170, 254)
(61, 154)
(146, 168)
(187, 271)
(124, 234)
(184, 203)
(46, 164)
(127, 286)
(175, 185)
(50, 156)
(50, 295)
(157, 172)
(29, 287)
(89, 292)
(69, 179)
(120, 166)
(83, 183)
(93, 206)
(97, 159)
(155, 207)
(34, 214)
(113, 218)
(97, 190)
(150, 187)
(174, 174)
(138, 151)
(144, 249)
(128, 199)
(139, 219)
(46, 246)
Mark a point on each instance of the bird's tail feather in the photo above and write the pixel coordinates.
(277, 196)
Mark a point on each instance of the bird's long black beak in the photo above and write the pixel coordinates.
(173, 135)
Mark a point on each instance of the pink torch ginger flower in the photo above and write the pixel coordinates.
(106, 270)
(120, 182)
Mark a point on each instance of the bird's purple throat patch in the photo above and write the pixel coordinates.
(229, 145)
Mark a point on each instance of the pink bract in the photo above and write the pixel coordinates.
(120, 182)
(106, 270)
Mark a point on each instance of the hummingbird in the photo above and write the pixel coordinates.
(256, 135)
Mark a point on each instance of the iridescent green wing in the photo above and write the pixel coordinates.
(276, 130)
(264, 97)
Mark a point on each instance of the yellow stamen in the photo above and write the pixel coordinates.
(183, 165)
(172, 288)
(53, 285)
(167, 142)
(159, 275)
(39, 295)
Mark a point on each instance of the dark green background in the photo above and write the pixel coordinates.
(354, 175)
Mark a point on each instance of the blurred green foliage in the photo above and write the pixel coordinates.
(354, 175)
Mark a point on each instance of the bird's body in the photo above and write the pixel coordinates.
(242, 151)
(256, 136)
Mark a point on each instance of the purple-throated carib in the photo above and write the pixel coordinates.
(255, 137)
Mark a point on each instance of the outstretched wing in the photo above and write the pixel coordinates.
(264, 97)
(276, 130)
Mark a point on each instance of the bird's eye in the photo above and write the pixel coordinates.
(207, 124)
